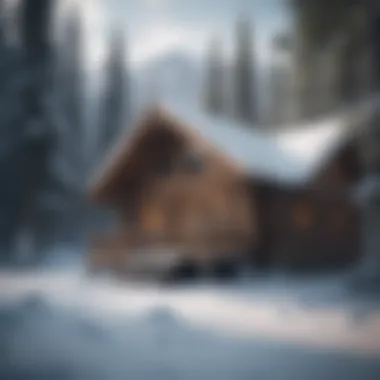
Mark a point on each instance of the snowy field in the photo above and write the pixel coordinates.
(60, 324)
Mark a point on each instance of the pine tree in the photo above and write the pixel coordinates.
(282, 107)
(69, 93)
(374, 44)
(115, 108)
(215, 101)
(71, 85)
(2, 22)
(245, 96)
(71, 159)
(31, 158)
(3, 51)
(319, 24)
(5, 196)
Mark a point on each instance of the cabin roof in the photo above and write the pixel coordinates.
(291, 154)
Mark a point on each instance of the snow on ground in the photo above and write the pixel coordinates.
(63, 325)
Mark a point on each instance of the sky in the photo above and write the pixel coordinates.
(156, 27)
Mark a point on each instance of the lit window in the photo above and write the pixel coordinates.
(153, 219)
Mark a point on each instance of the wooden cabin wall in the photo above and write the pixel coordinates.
(305, 230)
(276, 239)
(340, 216)
(264, 199)
(313, 227)
(179, 191)
(322, 232)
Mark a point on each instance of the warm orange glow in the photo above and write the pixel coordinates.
(153, 219)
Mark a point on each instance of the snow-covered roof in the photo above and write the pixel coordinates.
(291, 154)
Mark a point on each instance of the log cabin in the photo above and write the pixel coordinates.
(192, 189)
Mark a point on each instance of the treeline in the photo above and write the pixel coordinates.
(237, 97)
(337, 52)
(326, 59)
(48, 143)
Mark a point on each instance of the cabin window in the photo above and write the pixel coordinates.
(192, 162)
(304, 215)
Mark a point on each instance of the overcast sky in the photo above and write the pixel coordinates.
(154, 27)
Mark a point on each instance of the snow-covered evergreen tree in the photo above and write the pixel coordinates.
(245, 87)
(282, 81)
(215, 79)
(2, 22)
(70, 82)
(115, 98)
(33, 130)
(71, 161)
(6, 141)
(3, 51)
